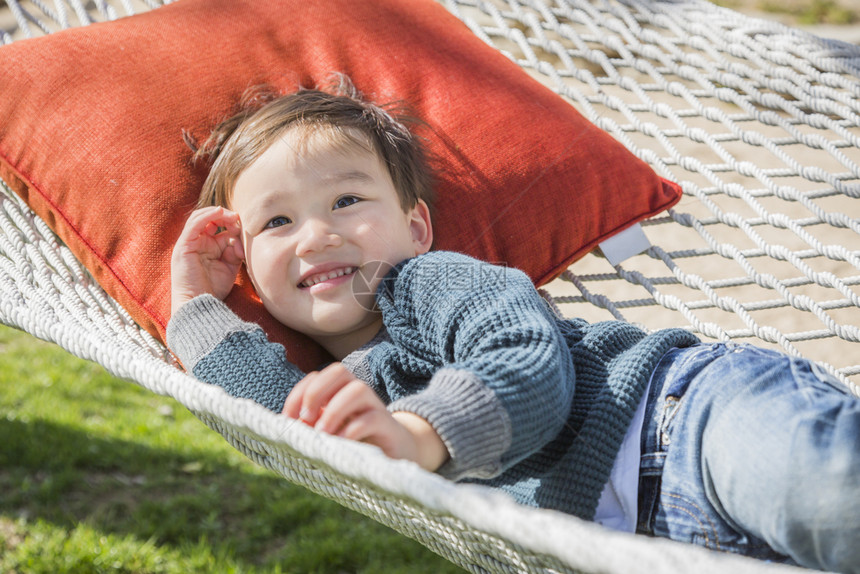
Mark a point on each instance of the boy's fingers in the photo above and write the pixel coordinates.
(293, 404)
(198, 220)
(209, 220)
(314, 391)
(322, 388)
(230, 253)
(367, 427)
(352, 400)
(234, 254)
(212, 233)
(237, 249)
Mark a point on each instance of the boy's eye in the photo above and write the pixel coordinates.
(277, 222)
(345, 201)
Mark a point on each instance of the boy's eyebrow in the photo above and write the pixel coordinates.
(351, 175)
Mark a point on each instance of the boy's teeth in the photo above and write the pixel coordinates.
(311, 281)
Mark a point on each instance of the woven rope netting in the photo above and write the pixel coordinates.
(758, 122)
(761, 126)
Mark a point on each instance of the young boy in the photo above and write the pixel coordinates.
(461, 366)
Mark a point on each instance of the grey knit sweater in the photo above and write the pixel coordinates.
(525, 401)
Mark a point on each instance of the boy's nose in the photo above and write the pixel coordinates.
(316, 235)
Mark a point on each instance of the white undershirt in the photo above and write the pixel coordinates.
(618, 506)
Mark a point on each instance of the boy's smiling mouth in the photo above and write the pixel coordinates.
(316, 276)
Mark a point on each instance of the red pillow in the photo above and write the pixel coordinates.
(91, 123)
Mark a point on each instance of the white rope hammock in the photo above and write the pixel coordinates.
(761, 125)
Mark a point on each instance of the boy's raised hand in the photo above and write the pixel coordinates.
(335, 402)
(206, 257)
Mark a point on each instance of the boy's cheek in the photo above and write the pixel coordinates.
(268, 275)
(250, 257)
(249, 266)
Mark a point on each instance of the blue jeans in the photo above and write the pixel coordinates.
(751, 451)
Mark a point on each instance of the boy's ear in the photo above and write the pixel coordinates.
(421, 227)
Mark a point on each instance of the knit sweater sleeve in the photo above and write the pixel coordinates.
(216, 346)
(505, 382)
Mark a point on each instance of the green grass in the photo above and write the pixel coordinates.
(809, 12)
(814, 12)
(100, 475)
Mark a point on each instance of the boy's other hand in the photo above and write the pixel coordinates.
(206, 257)
(335, 402)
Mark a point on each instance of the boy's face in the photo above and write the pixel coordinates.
(317, 220)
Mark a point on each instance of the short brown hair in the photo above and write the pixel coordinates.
(336, 113)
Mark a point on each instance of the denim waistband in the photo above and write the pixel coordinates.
(669, 381)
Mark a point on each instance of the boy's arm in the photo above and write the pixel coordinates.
(334, 401)
(210, 340)
(505, 386)
(216, 346)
